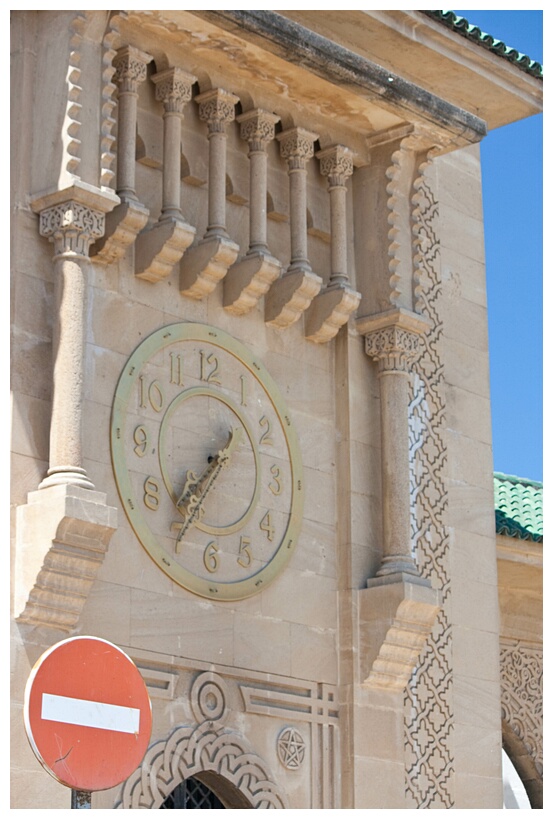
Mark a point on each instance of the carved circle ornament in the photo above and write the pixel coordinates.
(207, 461)
(291, 748)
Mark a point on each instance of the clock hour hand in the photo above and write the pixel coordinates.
(196, 489)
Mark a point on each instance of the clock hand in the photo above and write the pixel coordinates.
(196, 489)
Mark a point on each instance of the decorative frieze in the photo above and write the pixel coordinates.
(159, 249)
(294, 291)
(250, 277)
(207, 262)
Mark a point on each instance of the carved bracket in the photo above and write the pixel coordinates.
(63, 534)
(329, 311)
(290, 296)
(159, 249)
(248, 280)
(205, 264)
(122, 227)
(395, 620)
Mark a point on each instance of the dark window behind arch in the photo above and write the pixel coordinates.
(192, 795)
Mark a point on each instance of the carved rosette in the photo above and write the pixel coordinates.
(393, 347)
(72, 227)
(336, 163)
(130, 69)
(257, 128)
(296, 147)
(216, 109)
(173, 89)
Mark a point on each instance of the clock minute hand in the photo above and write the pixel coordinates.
(196, 489)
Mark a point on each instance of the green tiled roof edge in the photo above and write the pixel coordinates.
(465, 29)
(518, 507)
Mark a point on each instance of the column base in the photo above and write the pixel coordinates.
(63, 475)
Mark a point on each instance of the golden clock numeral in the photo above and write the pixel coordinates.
(151, 493)
(267, 526)
(211, 557)
(140, 437)
(245, 554)
(266, 435)
(212, 375)
(154, 393)
(176, 376)
(243, 391)
(276, 484)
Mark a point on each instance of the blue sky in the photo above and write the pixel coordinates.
(512, 190)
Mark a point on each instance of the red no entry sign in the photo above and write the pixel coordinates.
(87, 713)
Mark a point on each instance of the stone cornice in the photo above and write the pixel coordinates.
(339, 65)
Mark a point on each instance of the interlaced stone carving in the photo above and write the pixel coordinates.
(522, 695)
(428, 703)
(206, 747)
(257, 128)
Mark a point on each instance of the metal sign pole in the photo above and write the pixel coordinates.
(81, 799)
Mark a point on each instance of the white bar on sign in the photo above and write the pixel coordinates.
(90, 714)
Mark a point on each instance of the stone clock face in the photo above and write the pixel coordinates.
(206, 461)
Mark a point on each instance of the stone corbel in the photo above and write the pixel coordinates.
(125, 222)
(333, 306)
(399, 607)
(206, 263)
(250, 277)
(161, 247)
(291, 294)
(63, 533)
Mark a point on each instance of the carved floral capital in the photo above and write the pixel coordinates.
(72, 227)
(393, 338)
(296, 147)
(336, 163)
(130, 68)
(173, 89)
(217, 108)
(257, 127)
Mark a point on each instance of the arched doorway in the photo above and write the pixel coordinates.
(205, 791)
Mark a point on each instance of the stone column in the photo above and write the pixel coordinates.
(159, 249)
(130, 70)
(205, 264)
(250, 277)
(334, 305)
(127, 220)
(294, 291)
(72, 220)
(392, 339)
(398, 608)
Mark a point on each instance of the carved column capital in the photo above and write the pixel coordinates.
(173, 89)
(336, 164)
(296, 147)
(130, 68)
(257, 128)
(217, 108)
(393, 338)
(72, 227)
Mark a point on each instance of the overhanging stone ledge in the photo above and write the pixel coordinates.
(396, 615)
(63, 533)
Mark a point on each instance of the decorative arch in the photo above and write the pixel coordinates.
(207, 751)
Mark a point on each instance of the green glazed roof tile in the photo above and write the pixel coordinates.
(465, 29)
(518, 507)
